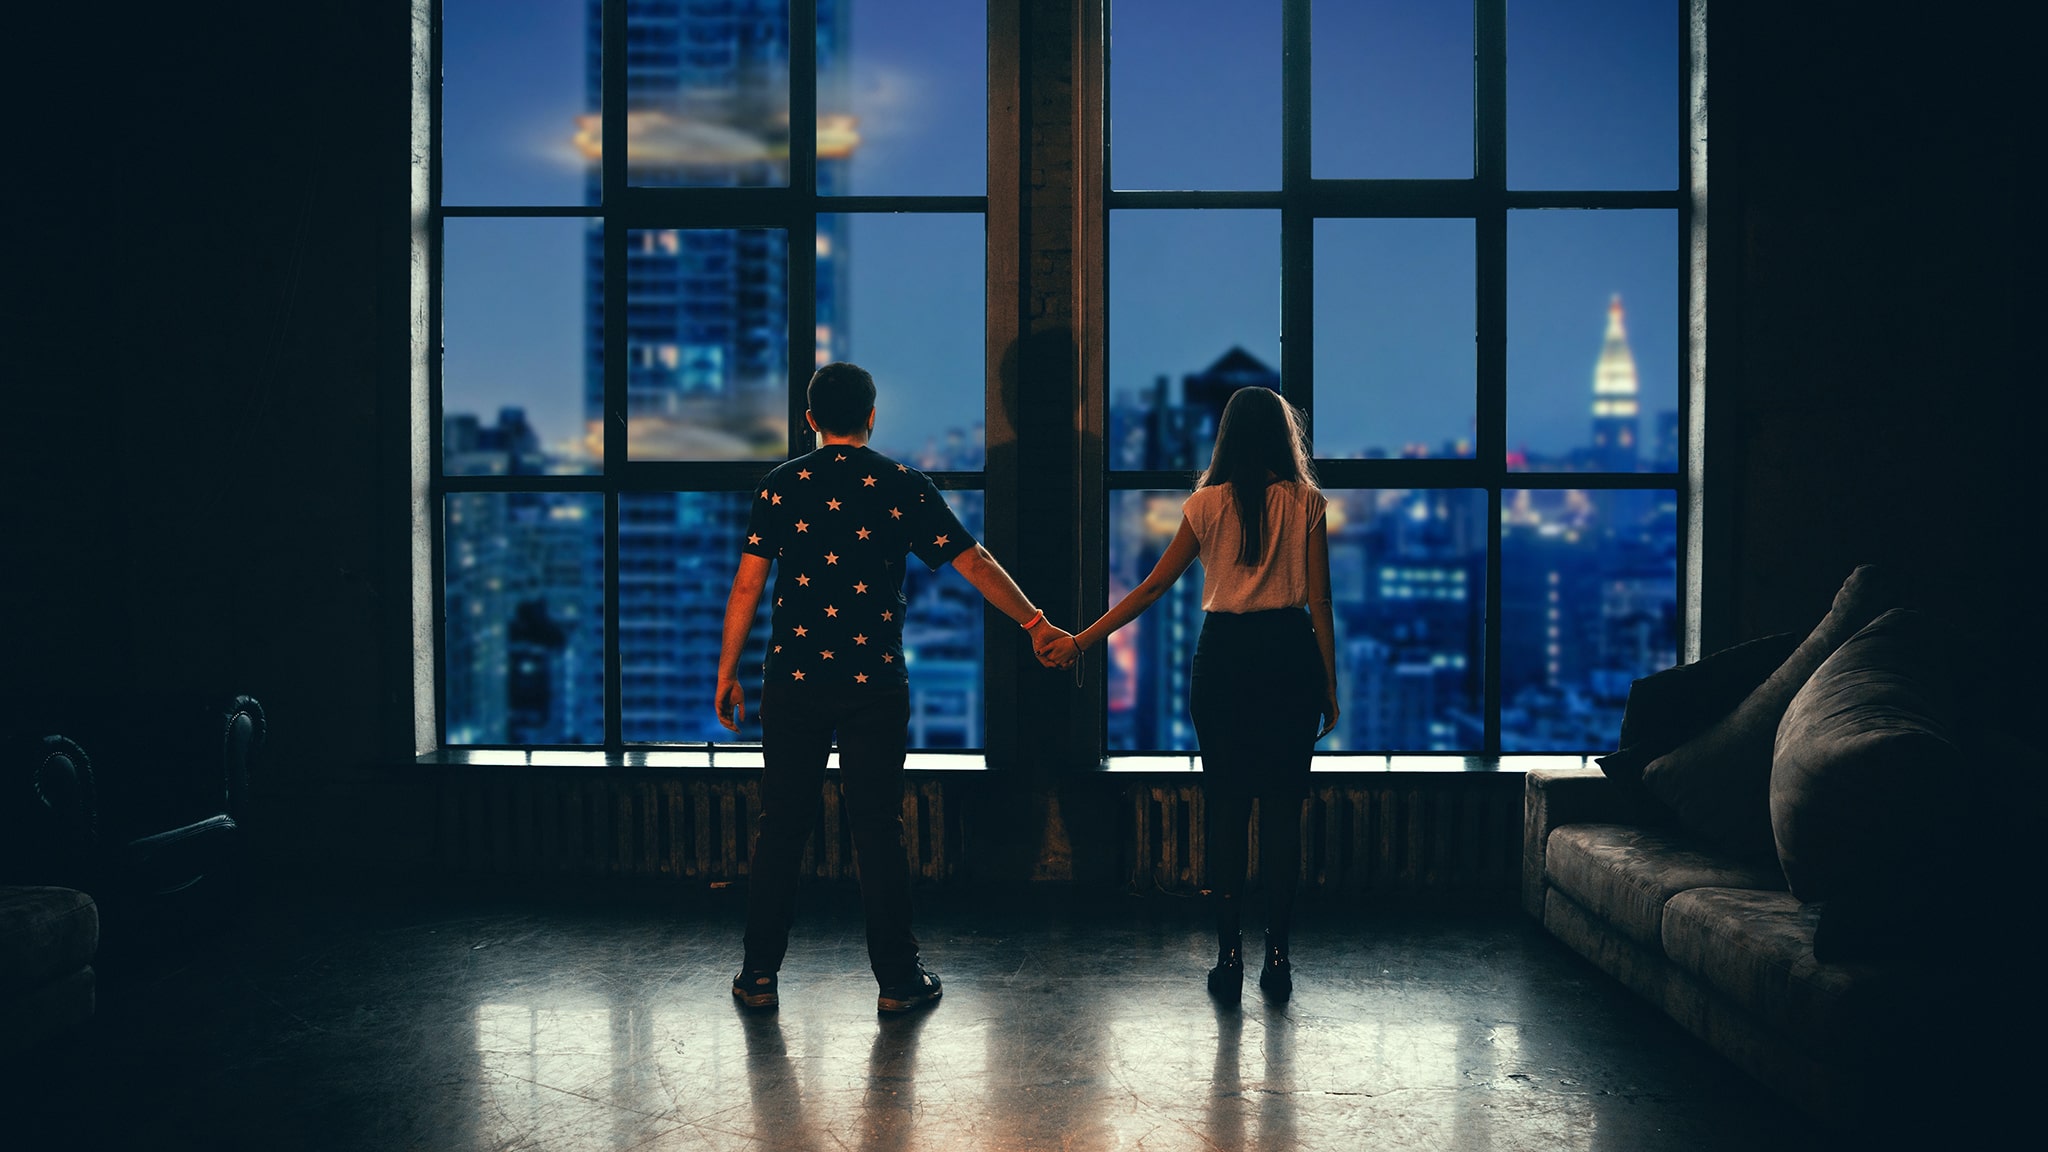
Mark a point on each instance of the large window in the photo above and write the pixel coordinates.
(652, 221)
(1460, 235)
(1455, 234)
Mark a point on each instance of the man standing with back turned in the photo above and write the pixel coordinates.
(836, 523)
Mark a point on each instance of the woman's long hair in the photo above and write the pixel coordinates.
(1261, 438)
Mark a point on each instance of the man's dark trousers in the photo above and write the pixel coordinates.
(797, 727)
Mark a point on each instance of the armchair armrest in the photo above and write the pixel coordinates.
(49, 816)
(1551, 798)
(168, 758)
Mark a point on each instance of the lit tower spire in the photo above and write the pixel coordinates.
(1614, 397)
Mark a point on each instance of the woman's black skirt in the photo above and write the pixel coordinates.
(1257, 701)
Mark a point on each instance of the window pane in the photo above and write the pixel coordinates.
(512, 365)
(1593, 341)
(1392, 90)
(902, 295)
(1194, 297)
(1185, 76)
(942, 631)
(1593, 97)
(707, 94)
(1589, 602)
(525, 618)
(517, 106)
(902, 101)
(707, 344)
(677, 555)
(1408, 586)
(1396, 357)
(1151, 659)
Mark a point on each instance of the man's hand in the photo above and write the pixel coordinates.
(732, 704)
(1053, 646)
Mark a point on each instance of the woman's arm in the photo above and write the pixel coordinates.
(1179, 554)
(1321, 616)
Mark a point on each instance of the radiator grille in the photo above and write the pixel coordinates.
(673, 827)
(1462, 836)
(1456, 832)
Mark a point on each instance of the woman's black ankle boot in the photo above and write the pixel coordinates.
(1226, 979)
(1276, 975)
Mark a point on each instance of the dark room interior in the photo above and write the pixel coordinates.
(212, 491)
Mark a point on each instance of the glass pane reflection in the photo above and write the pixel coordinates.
(707, 93)
(1593, 341)
(915, 285)
(513, 393)
(707, 344)
(516, 103)
(902, 104)
(1186, 76)
(1396, 352)
(677, 555)
(1194, 300)
(942, 631)
(524, 594)
(1392, 90)
(1589, 602)
(1592, 94)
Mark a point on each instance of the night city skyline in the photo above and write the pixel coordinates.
(1590, 579)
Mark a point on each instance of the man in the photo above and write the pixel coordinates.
(836, 523)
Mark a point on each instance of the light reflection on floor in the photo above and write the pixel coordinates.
(511, 1023)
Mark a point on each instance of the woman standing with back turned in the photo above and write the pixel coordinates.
(1265, 669)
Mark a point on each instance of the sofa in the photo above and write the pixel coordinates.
(1774, 857)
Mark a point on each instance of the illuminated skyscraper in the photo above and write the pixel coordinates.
(707, 363)
(1614, 398)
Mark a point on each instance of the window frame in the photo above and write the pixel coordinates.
(624, 208)
(1488, 201)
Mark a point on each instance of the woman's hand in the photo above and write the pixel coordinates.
(1060, 653)
(1330, 711)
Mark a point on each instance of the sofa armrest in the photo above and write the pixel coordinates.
(1551, 798)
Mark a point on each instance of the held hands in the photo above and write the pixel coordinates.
(1053, 646)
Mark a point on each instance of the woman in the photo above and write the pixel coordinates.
(1265, 669)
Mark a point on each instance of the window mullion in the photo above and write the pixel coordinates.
(612, 86)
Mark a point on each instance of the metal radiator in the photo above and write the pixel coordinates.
(1454, 832)
(657, 827)
(1459, 833)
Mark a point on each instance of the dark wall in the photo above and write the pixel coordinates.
(193, 471)
(204, 300)
(1884, 414)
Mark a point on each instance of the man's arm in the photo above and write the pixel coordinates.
(994, 583)
(747, 585)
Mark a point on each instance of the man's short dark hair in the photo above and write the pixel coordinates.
(841, 396)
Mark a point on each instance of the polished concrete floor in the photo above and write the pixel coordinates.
(495, 1021)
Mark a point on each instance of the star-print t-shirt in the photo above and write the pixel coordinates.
(838, 523)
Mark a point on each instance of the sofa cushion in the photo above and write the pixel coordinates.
(1866, 766)
(1667, 708)
(1756, 948)
(45, 933)
(1718, 782)
(1624, 874)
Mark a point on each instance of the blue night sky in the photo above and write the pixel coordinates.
(1593, 89)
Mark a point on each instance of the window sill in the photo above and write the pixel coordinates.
(748, 757)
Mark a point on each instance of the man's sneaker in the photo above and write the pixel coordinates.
(920, 987)
(755, 989)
